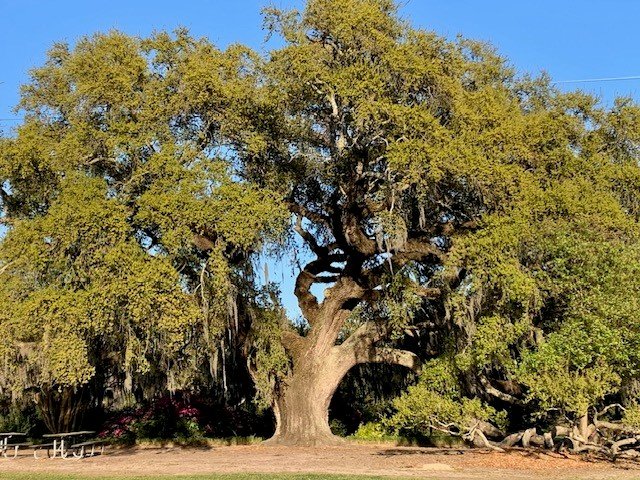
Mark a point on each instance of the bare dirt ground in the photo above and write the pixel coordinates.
(348, 459)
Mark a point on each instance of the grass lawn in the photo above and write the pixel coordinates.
(50, 476)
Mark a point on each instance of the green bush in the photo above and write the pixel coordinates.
(372, 431)
(21, 418)
(338, 428)
(437, 402)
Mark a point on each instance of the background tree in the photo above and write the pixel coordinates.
(124, 229)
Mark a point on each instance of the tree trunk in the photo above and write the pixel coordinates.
(302, 407)
(302, 399)
(61, 410)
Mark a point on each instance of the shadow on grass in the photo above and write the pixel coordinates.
(391, 452)
(163, 446)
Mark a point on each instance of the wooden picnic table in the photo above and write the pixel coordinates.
(4, 441)
(59, 440)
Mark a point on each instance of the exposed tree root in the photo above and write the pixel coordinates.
(604, 439)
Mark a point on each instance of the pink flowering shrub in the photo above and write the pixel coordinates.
(184, 417)
(163, 418)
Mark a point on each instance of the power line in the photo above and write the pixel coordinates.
(605, 79)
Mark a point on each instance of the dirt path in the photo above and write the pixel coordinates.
(350, 459)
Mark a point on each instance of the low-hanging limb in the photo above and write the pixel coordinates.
(361, 348)
(494, 392)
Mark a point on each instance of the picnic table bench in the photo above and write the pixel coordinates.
(61, 446)
(81, 448)
(5, 446)
(67, 442)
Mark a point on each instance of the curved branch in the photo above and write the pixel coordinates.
(308, 276)
(392, 356)
(308, 238)
(616, 446)
(493, 391)
(308, 214)
(360, 348)
(6, 267)
(353, 235)
(418, 249)
(365, 335)
(476, 432)
(326, 279)
(307, 301)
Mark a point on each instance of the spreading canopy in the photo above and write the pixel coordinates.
(437, 193)
(125, 221)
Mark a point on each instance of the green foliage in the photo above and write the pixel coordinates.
(77, 281)
(123, 208)
(493, 208)
(436, 402)
(576, 338)
(530, 195)
(631, 416)
(20, 418)
(338, 428)
(371, 431)
(269, 361)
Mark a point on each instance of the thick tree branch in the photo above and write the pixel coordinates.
(494, 392)
(302, 211)
(392, 356)
(308, 238)
(309, 275)
(326, 279)
(477, 433)
(365, 335)
(293, 343)
(418, 249)
(429, 292)
(355, 238)
(312, 243)
(307, 301)
(329, 318)
(360, 348)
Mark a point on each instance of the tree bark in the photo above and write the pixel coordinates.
(61, 409)
(302, 398)
(301, 407)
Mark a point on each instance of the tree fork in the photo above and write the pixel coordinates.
(302, 406)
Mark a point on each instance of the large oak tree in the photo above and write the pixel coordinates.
(436, 189)
(433, 190)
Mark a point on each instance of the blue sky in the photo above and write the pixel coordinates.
(570, 39)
